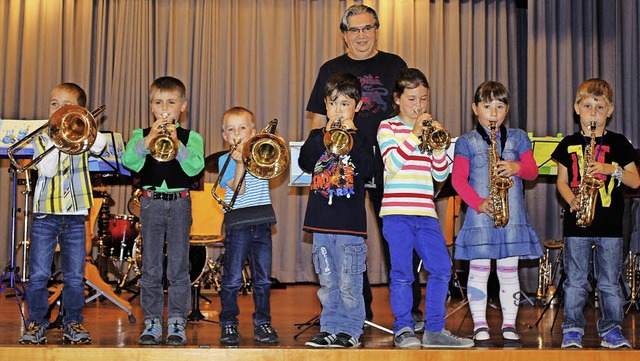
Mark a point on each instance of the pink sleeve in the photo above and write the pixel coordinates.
(528, 167)
(460, 182)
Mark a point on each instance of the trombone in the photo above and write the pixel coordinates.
(72, 130)
(265, 156)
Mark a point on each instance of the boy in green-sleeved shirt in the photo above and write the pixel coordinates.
(165, 211)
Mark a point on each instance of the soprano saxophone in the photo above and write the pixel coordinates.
(498, 186)
(589, 186)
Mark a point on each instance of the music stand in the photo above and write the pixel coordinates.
(10, 270)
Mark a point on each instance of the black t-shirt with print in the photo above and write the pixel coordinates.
(613, 148)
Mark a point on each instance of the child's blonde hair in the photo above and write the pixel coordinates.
(596, 88)
(238, 111)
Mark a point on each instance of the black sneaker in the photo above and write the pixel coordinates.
(230, 336)
(35, 334)
(75, 334)
(265, 333)
(322, 340)
(344, 340)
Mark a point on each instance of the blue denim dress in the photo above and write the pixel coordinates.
(478, 238)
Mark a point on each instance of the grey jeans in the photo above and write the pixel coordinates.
(170, 220)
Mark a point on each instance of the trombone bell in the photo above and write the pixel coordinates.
(264, 155)
(72, 129)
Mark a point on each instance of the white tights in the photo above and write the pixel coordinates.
(507, 270)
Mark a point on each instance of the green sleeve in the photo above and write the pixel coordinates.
(135, 152)
(194, 162)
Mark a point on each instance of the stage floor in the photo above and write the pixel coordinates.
(115, 338)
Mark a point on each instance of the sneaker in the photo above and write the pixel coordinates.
(265, 333)
(76, 334)
(230, 335)
(175, 333)
(406, 338)
(614, 339)
(419, 326)
(444, 339)
(344, 340)
(322, 340)
(36, 334)
(152, 334)
(572, 339)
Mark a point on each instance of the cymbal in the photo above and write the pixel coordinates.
(211, 161)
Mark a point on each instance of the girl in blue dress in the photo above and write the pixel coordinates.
(479, 241)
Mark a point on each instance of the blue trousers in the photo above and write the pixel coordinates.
(404, 234)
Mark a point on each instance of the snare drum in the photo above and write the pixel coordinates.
(123, 230)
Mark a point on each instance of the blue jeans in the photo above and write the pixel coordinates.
(339, 261)
(607, 265)
(254, 242)
(69, 232)
(170, 220)
(404, 234)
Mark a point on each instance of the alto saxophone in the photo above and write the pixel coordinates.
(498, 186)
(589, 186)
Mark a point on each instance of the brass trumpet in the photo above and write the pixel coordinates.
(431, 138)
(163, 147)
(338, 140)
(71, 128)
(264, 155)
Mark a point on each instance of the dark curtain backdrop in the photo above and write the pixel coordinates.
(265, 54)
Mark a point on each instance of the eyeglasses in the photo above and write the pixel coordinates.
(365, 29)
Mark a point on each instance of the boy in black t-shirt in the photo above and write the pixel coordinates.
(594, 161)
(336, 215)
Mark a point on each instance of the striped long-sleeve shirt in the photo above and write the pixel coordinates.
(408, 174)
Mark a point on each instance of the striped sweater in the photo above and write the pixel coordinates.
(408, 174)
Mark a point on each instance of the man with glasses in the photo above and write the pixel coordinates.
(376, 71)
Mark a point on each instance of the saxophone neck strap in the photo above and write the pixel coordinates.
(503, 136)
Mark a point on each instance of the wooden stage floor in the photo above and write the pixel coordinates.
(115, 338)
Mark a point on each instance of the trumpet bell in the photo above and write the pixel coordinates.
(265, 156)
(163, 148)
(440, 139)
(338, 141)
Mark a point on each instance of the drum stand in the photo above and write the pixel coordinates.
(11, 270)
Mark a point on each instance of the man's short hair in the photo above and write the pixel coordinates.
(356, 10)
